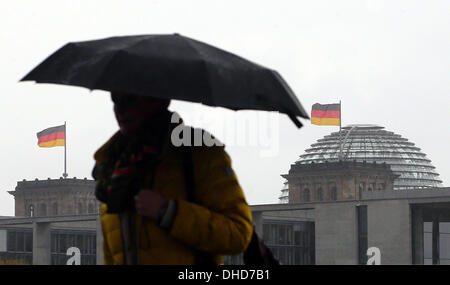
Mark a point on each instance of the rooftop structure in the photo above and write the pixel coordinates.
(372, 143)
(55, 197)
(342, 180)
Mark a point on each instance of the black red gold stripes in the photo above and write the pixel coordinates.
(55, 136)
(327, 114)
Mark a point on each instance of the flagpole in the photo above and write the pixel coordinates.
(340, 116)
(65, 161)
(340, 128)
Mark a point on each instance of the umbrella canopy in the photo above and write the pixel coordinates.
(171, 67)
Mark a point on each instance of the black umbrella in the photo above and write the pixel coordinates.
(172, 67)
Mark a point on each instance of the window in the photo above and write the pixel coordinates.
(320, 194)
(61, 240)
(444, 243)
(298, 238)
(19, 245)
(266, 233)
(282, 235)
(11, 241)
(306, 195)
(427, 243)
(43, 210)
(333, 193)
(362, 186)
(80, 209)
(54, 209)
(31, 211)
(293, 242)
(28, 241)
(91, 208)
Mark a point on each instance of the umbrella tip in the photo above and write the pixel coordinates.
(295, 121)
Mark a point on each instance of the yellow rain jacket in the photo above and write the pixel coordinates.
(220, 224)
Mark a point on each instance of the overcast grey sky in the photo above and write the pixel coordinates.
(387, 61)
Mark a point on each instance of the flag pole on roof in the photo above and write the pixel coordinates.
(52, 137)
(65, 156)
(340, 128)
(328, 115)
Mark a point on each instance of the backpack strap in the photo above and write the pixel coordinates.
(189, 173)
(201, 257)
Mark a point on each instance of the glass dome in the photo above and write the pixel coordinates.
(284, 197)
(373, 143)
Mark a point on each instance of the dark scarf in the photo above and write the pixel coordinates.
(128, 162)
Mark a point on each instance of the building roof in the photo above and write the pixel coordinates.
(332, 167)
(61, 183)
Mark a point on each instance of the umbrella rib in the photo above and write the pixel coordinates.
(205, 65)
(113, 56)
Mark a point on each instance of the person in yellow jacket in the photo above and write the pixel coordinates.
(147, 216)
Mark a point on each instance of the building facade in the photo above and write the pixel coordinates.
(406, 226)
(52, 216)
(333, 181)
(410, 226)
(55, 197)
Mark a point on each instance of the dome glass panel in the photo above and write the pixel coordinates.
(373, 143)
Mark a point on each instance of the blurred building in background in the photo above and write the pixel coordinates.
(51, 216)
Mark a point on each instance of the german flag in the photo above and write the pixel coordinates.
(326, 115)
(55, 136)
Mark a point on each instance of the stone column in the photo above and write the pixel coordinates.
(41, 244)
(99, 237)
(258, 222)
(417, 234)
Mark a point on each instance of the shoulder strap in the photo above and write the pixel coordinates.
(201, 257)
(189, 173)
